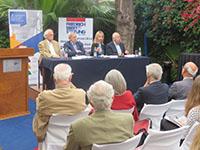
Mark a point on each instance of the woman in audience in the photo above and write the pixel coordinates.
(98, 46)
(123, 98)
(192, 106)
(196, 140)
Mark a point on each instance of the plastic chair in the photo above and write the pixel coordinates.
(164, 140)
(58, 129)
(129, 144)
(155, 113)
(189, 137)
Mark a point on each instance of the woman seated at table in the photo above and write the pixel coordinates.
(98, 47)
(123, 98)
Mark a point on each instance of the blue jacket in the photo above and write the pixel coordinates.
(69, 48)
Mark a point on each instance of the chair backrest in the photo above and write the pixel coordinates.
(189, 137)
(176, 108)
(129, 144)
(125, 110)
(164, 140)
(155, 113)
(58, 129)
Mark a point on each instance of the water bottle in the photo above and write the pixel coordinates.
(140, 51)
(95, 52)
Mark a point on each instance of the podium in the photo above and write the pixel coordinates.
(14, 82)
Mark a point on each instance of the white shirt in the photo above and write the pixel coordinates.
(51, 48)
(119, 51)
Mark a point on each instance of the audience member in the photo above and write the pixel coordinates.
(192, 106)
(153, 91)
(123, 98)
(64, 99)
(98, 46)
(103, 126)
(196, 140)
(116, 47)
(73, 47)
(180, 89)
(49, 47)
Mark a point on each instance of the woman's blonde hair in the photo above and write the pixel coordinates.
(194, 96)
(196, 140)
(116, 79)
(97, 35)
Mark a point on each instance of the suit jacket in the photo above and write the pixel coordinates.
(180, 89)
(112, 50)
(125, 101)
(155, 93)
(101, 127)
(66, 100)
(70, 50)
(44, 49)
(95, 45)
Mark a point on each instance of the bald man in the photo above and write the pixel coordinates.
(180, 89)
(116, 47)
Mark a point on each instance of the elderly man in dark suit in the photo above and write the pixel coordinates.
(116, 47)
(73, 47)
(153, 91)
(180, 89)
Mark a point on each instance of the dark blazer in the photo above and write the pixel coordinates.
(155, 93)
(69, 48)
(95, 45)
(111, 49)
(180, 89)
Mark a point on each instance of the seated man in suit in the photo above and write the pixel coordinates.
(64, 99)
(116, 47)
(49, 47)
(180, 89)
(73, 47)
(103, 126)
(153, 91)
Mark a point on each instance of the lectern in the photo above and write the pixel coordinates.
(14, 82)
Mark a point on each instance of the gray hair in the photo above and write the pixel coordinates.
(62, 72)
(101, 95)
(46, 32)
(154, 70)
(116, 79)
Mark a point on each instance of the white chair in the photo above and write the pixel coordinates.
(154, 112)
(125, 110)
(189, 137)
(164, 140)
(176, 108)
(57, 131)
(129, 144)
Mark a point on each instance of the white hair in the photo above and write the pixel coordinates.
(188, 68)
(117, 80)
(154, 70)
(101, 95)
(46, 32)
(62, 72)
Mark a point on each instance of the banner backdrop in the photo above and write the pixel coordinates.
(83, 27)
(25, 30)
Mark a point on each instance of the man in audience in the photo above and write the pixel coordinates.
(180, 89)
(116, 47)
(73, 47)
(49, 47)
(153, 91)
(64, 99)
(103, 126)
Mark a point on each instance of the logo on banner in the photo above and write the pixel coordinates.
(76, 25)
(18, 18)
